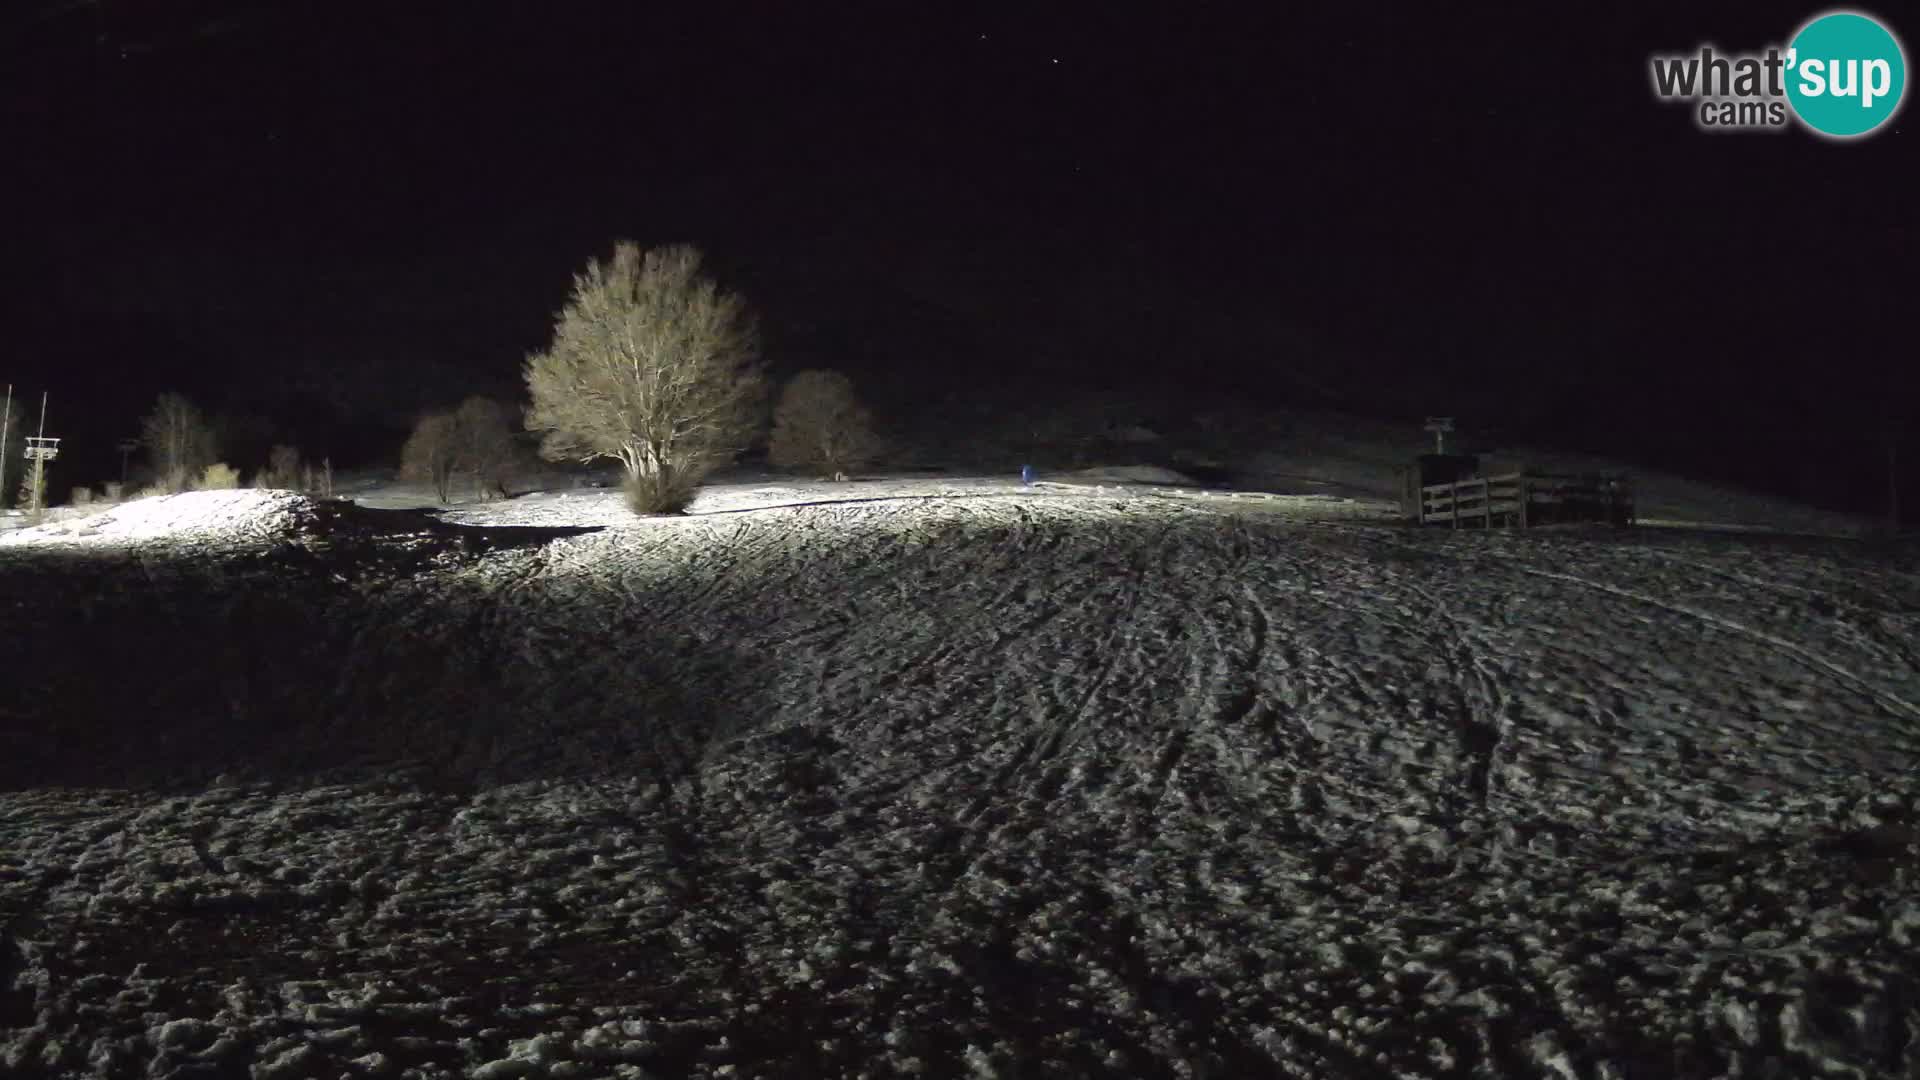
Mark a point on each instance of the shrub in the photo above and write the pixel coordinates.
(661, 493)
(219, 476)
(820, 424)
(653, 365)
(114, 490)
(83, 496)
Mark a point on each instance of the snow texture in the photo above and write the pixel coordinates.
(950, 779)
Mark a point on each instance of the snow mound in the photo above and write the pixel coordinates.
(229, 517)
(1132, 474)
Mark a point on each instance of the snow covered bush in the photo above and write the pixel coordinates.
(218, 476)
(820, 424)
(653, 365)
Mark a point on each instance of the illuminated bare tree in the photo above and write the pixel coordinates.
(283, 468)
(179, 442)
(431, 453)
(474, 440)
(820, 424)
(483, 432)
(652, 365)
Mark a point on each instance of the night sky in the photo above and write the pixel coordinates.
(330, 215)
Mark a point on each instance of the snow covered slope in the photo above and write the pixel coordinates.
(995, 782)
(208, 519)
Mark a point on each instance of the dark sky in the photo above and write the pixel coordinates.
(378, 206)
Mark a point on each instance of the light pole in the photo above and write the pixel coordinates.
(127, 446)
(6, 416)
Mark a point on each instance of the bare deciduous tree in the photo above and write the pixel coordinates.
(483, 430)
(474, 440)
(283, 468)
(653, 365)
(430, 452)
(33, 491)
(820, 424)
(179, 442)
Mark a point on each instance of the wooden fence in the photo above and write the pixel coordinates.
(1526, 499)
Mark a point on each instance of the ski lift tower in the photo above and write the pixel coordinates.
(40, 450)
(1439, 425)
(127, 447)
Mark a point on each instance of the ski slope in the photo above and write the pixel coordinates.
(963, 779)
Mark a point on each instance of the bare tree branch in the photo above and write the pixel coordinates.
(179, 442)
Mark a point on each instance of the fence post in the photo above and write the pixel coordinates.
(1524, 495)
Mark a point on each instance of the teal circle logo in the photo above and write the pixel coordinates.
(1845, 74)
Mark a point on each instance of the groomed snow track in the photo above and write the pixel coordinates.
(1059, 785)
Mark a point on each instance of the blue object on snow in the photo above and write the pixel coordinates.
(1026, 475)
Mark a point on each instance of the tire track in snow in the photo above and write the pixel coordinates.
(1042, 747)
(1873, 638)
(23, 950)
(1340, 695)
(1889, 702)
(1249, 712)
(873, 571)
(1035, 767)
(1046, 743)
(1222, 692)
(1892, 703)
(933, 678)
(1485, 725)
